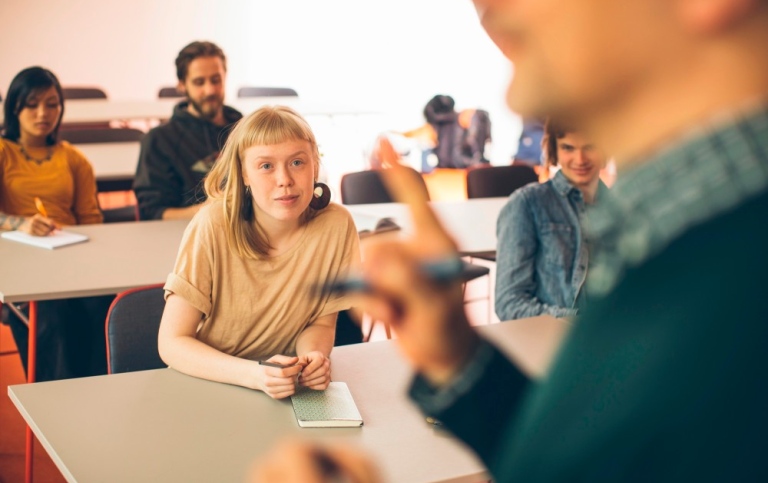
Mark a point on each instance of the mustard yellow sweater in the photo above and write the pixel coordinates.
(65, 183)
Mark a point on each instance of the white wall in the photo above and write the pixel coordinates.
(392, 55)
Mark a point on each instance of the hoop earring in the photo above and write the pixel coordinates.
(247, 205)
(321, 196)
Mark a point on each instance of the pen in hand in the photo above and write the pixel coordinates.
(282, 366)
(41, 209)
(442, 271)
(276, 364)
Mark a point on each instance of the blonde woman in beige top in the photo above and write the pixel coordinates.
(242, 287)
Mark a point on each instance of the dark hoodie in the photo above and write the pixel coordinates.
(457, 147)
(440, 114)
(174, 159)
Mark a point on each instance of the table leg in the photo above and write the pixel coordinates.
(31, 370)
(32, 346)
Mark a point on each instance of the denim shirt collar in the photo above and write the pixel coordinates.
(561, 184)
(564, 188)
(708, 172)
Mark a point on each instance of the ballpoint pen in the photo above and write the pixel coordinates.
(41, 209)
(442, 271)
(276, 364)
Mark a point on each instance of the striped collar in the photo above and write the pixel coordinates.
(707, 173)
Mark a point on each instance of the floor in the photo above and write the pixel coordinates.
(12, 427)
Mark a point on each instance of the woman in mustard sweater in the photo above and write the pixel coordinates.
(34, 164)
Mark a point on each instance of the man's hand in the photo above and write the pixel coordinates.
(428, 317)
(304, 462)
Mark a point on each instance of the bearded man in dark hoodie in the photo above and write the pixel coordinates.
(177, 155)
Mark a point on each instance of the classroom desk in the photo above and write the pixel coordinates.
(97, 110)
(165, 426)
(471, 223)
(114, 164)
(305, 107)
(118, 256)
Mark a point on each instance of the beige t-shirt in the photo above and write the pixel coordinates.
(257, 308)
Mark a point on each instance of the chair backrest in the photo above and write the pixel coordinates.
(169, 92)
(461, 136)
(101, 135)
(493, 181)
(121, 214)
(367, 187)
(266, 92)
(90, 135)
(132, 325)
(83, 93)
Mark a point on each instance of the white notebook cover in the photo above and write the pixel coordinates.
(58, 238)
(332, 408)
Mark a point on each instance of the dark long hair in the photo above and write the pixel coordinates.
(27, 83)
(552, 132)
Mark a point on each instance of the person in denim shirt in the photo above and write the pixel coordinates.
(542, 256)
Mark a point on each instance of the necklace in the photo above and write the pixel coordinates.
(38, 161)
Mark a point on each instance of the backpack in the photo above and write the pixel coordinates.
(460, 143)
(475, 138)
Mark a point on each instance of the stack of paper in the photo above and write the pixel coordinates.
(58, 238)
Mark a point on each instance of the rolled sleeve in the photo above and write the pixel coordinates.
(178, 286)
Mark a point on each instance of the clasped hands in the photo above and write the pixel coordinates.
(312, 370)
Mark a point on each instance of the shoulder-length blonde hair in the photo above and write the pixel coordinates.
(268, 125)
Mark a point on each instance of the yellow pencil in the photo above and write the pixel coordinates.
(40, 207)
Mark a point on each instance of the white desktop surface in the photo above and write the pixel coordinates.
(112, 160)
(471, 223)
(305, 107)
(165, 426)
(117, 257)
(98, 110)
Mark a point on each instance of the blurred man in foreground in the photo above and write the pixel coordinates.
(661, 378)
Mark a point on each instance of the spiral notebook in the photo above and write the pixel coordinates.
(332, 408)
(58, 238)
